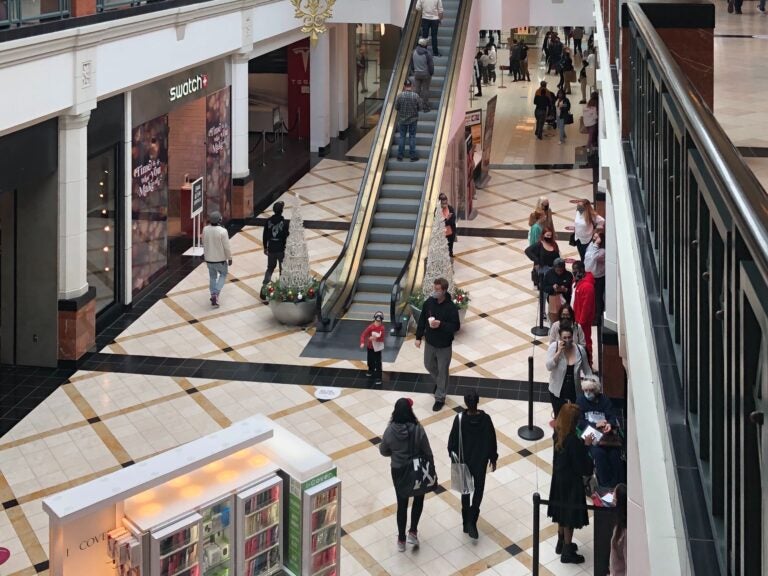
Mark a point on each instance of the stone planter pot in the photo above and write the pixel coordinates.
(293, 313)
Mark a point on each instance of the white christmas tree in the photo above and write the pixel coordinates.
(439, 263)
(296, 275)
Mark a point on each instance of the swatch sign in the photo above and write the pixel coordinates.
(190, 86)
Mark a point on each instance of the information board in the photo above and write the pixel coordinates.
(197, 197)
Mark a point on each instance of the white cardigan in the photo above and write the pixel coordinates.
(557, 369)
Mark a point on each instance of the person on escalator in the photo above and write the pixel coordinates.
(423, 69)
(431, 16)
(408, 105)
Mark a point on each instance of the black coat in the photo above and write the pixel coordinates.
(478, 440)
(275, 234)
(569, 465)
(551, 278)
(541, 257)
(447, 313)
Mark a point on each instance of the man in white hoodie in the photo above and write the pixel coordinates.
(431, 14)
(217, 254)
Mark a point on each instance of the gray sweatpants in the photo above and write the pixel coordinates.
(437, 361)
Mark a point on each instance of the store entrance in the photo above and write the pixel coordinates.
(7, 275)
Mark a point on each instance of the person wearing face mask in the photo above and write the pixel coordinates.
(566, 317)
(538, 219)
(585, 224)
(438, 322)
(449, 216)
(594, 262)
(597, 411)
(565, 362)
(584, 303)
(557, 287)
(543, 255)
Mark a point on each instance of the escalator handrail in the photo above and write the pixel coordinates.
(378, 157)
(434, 166)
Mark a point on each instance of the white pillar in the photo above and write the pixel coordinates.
(339, 79)
(320, 94)
(240, 167)
(127, 288)
(611, 264)
(73, 205)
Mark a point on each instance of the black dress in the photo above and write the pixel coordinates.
(569, 464)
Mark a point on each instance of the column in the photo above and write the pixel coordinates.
(242, 183)
(127, 288)
(77, 303)
(320, 94)
(339, 79)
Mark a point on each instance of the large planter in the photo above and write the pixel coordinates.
(293, 313)
(417, 313)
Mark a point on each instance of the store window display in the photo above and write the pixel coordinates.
(102, 218)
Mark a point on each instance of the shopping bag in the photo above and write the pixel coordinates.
(461, 478)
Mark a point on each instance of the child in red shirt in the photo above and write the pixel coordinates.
(372, 338)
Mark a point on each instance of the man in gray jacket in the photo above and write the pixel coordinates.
(423, 69)
(217, 254)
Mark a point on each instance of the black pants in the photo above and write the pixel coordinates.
(272, 261)
(514, 68)
(599, 298)
(451, 240)
(541, 116)
(577, 46)
(479, 84)
(476, 496)
(374, 363)
(402, 508)
(582, 248)
(429, 28)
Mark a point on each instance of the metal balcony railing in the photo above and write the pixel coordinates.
(706, 216)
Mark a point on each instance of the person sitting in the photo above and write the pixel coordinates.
(597, 412)
(566, 317)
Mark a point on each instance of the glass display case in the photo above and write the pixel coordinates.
(322, 525)
(176, 549)
(260, 529)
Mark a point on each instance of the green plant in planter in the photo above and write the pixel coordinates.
(280, 292)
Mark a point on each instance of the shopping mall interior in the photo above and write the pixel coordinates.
(516, 305)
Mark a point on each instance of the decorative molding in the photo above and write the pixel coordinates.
(313, 13)
(86, 73)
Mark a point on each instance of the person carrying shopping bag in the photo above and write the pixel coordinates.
(472, 448)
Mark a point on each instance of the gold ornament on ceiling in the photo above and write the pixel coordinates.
(314, 13)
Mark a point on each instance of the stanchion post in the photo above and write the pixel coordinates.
(263, 148)
(536, 506)
(530, 432)
(502, 77)
(540, 329)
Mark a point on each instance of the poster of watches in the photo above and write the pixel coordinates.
(149, 200)
(218, 139)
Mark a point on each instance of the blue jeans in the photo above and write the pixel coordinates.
(218, 273)
(407, 130)
(561, 128)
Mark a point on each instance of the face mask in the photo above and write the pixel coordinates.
(545, 208)
(589, 395)
(580, 209)
(547, 237)
(437, 294)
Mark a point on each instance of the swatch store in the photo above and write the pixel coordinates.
(181, 131)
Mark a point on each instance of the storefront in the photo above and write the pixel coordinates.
(181, 131)
(373, 53)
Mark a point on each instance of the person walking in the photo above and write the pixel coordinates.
(570, 462)
(565, 68)
(478, 69)
(372, 339)
(565, 362)
(423, 69)
(438, 322)
(524, 72)
(472, 441)
(408, 105)
(217, 255)
(402, 433)
(274, 238)
(583, 82)
(449, 216)
(545, 45)
(541, 104)
(584, 303)
(431, 15)
(563, 111)
(514, 60)
(578, 36)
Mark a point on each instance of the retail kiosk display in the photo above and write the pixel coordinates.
(212, 507)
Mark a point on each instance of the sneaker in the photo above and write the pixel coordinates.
(414, 158)
(377, 382)
(400, 545)
(438, 405)
(413, 539)
(368, 374)
(399, 158)
(215, 300)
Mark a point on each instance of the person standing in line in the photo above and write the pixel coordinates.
(449, 216)
(566, 317)
(618, 560)
(423, 69)
(274, 238)
(591, 115)
(492, 59)
(585, 224)
(478, 450)
(570, 462)
(408, 105)
(478, 69)
(404, 431)
(362, 69)
(578, 36)
(538, 219)
(563, 109)
(557, 285)
(524, 72)
(431, 15)
(594, 263)
(485, 63)
(543, 254)
(584, 303)
(541, 103)
(565, 362)
(514, 60)
(438, 322)
(217, 255)
(372, 339)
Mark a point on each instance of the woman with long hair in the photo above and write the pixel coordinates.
(591, 115)
(544, 253)
(538, 219)
(404, 431)
(594, 261)
(565, 317)
(563, 109)
(567, 503)
(585, 223)
(618, 561)
(565, 361)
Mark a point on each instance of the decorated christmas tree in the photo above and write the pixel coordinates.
(439, 263)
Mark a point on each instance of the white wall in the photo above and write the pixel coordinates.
(514, 13)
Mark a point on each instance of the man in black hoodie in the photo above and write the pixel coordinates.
(275, 235)
(439, 321)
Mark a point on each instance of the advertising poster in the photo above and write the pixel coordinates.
(218, 153)
(298, 88)
(474, 121)
(149, 200)
(490, 117)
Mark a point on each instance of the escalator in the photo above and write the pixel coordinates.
(382, 258)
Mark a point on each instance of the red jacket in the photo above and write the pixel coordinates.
(365, 337)
(584, 300)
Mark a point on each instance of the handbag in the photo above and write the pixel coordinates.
(420, 476)
(568, 119)
(462, 480)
